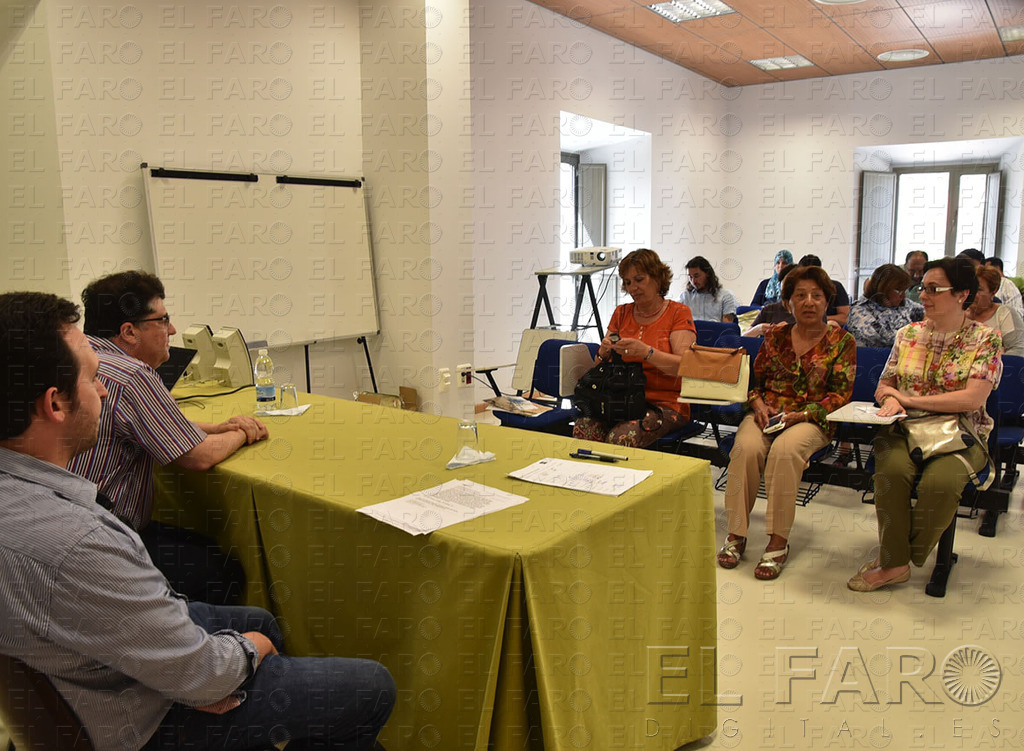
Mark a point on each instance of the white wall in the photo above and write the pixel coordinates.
(528, 64)
(737, 174)
(263, 88)
(799, 177)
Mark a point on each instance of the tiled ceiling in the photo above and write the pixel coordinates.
(837, 38)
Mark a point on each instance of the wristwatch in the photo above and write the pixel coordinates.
(649, 353)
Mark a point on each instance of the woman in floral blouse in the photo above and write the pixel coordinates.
(946, 363)
(885, 308)
(802, 372)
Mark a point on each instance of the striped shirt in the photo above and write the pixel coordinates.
(140, 423)
(82, 603)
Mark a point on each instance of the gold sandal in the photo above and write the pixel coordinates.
(770, 560)
(730, 554)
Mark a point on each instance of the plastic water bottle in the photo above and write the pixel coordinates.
(263, 374)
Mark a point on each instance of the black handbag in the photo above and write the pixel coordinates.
(613, 391)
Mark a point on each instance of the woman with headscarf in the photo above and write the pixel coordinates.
(770, 289)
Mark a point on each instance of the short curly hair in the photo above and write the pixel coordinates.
(647, 260)
(814, 274)
(115, 299)
(35, 355)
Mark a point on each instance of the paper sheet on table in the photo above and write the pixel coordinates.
(588, 476)
(290, 412)
(425, 511)
(865, 412)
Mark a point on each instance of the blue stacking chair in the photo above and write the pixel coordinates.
(1010, 416)
(709, 331)
(741, 309)
(870, 363)
(557, 420)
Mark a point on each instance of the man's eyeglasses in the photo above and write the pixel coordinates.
(931, 289)
(165, 319)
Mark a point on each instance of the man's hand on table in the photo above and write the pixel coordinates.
(254, 429)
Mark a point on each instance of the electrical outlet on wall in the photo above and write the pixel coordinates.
(444, 379)
(465, 371)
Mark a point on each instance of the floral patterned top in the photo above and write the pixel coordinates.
(875, 325)
(820, 381)
(924, 362)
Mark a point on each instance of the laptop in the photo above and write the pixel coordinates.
(171, 371)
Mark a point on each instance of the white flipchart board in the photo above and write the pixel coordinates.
(285, 259)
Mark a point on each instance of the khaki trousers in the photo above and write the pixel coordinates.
(782, 459)
(909, 532)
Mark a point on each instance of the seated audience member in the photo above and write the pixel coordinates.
(1007, 293)
(770, 289)
(772, 313)
(914, 265)
(704, 294)
(141, 667)
(654, 331)
(998, 316)
(975, 256)
(946, 363)
(130, 329)
(839, 304)
(884, 310)
(802, 372)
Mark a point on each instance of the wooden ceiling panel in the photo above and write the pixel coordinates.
(838, 58)
(959, 50)
(954, 18)
(838, 39)
(880, 27)
(1007, 12)
(869, 6)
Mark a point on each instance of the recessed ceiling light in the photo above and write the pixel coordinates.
(782, 63)
(902, 56)
(1011, 33)
(678, 11)
(837, 2)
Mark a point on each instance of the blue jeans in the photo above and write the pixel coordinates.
(312, 702)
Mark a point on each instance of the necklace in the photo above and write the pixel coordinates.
(637, 313)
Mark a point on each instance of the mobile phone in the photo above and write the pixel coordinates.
(775, 423)
(613, 338)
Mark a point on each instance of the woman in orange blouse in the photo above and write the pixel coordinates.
(802, 372)
(654, 331)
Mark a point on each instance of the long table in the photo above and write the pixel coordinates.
(573, 621)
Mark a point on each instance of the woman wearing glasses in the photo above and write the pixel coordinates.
(946, 364)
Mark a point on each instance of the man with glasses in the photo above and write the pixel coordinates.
(128, 325)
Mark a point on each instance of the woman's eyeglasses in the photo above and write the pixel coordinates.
(931, 289)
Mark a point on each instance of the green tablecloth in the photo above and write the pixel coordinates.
(573, 621)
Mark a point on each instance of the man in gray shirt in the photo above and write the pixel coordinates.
(82, 603)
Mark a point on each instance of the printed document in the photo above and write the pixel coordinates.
(588, 476)
(865, 412)
(425, 511)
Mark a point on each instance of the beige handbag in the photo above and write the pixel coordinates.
(932, 434)
(714, 375)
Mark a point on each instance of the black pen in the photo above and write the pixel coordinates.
(594, 457)
(613, 457)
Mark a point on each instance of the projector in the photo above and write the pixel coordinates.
(595, 256)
